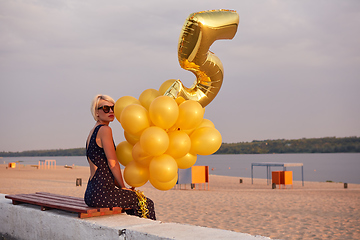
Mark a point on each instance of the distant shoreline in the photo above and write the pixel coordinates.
(304, 145)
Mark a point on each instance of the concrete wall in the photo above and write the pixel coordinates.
(28, 222)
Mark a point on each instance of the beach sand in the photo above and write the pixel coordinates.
(315, 211)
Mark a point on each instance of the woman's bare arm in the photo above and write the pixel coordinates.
(105, 135)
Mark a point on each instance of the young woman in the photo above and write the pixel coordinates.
(106, 186)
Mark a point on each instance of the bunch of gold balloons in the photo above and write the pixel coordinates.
(165, 129)
(162, 136)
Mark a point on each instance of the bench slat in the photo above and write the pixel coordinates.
(80, 202)
(61, 196)
(54, 200)
(51, 204)
(58, 198)
(66, 203)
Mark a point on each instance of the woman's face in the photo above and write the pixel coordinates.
(105, 111)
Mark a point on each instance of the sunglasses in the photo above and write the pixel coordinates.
(106, 108)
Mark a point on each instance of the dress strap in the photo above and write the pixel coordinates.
(96, 130)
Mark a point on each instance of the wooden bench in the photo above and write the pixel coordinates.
(66, 203)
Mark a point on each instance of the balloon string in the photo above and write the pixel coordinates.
(142, 203)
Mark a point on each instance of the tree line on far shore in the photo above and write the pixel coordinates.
(304, 145)
(46, 153)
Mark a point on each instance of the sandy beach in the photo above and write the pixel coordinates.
(315, 211)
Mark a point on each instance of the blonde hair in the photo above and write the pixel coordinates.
(95, 103)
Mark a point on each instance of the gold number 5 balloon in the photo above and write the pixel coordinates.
(199, 32)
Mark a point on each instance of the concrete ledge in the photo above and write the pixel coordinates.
(28, 222)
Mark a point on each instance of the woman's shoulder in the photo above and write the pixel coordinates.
(104, 130)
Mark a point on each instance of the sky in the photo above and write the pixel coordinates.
(292, 70)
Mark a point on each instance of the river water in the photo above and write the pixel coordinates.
(318, 167)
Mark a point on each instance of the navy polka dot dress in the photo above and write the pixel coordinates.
(101, 190)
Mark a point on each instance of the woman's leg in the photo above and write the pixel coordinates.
(151, 208)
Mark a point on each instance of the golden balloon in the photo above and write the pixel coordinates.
(179, 144)
(206, 123)
(147, 96)
(136, 175)
(163, 112)
(134, 119)
(123, 102)
(191, 115)
(199, 32)
(205, 140)
(164, 186)
(163, 168)
(131, 138)
(124, 152)
(140, 156)
(186, 161)
(165, 86)
(154, 141)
